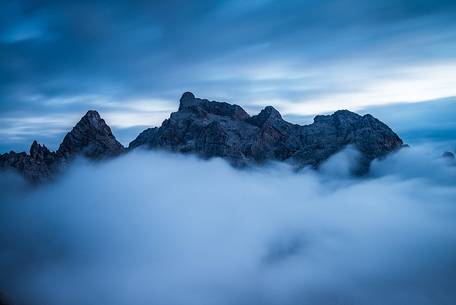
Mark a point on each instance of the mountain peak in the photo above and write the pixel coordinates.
(93, 119)
(268, 114)
(92, 113)
(39, 152)
(340, 115)
(90, 137)
(187, 96)
(188, 99)
(202, 107)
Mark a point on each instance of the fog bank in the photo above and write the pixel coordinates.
(157, 228)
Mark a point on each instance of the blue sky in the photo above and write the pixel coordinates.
(131, 60)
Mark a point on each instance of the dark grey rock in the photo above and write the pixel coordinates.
(214, 129)
(37, 166)
(90, 138)
(143, 137)
(189, 102)
(448, 155)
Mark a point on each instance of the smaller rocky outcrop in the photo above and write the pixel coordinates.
(144, 137)
(37, 166)
(448, 155)
(449, 158)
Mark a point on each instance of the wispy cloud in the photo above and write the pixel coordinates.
(323, 56)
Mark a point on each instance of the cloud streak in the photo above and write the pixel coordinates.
(324, 56)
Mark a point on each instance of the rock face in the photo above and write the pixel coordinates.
(214, 129)
(91, 138)
(37, 166)
(143, 137)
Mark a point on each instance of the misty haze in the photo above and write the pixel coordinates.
(156, 228)
(228, 152)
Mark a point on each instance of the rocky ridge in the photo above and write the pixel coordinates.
(217, 129)
(91, 138)
(213, 129)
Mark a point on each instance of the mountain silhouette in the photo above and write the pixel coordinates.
(217, 129)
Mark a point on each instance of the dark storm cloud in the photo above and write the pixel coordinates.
(250, 52)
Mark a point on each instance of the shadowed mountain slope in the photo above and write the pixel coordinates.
(90, 138)
(214, 129)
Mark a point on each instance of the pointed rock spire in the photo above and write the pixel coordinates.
(40, 152)
(269, 113)
(188, 99)
(92, 138)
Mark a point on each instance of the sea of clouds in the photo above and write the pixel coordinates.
(158, 228)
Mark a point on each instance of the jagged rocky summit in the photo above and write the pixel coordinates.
(91, 138)
(216, 129)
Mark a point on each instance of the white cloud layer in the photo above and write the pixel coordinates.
(155, 228)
